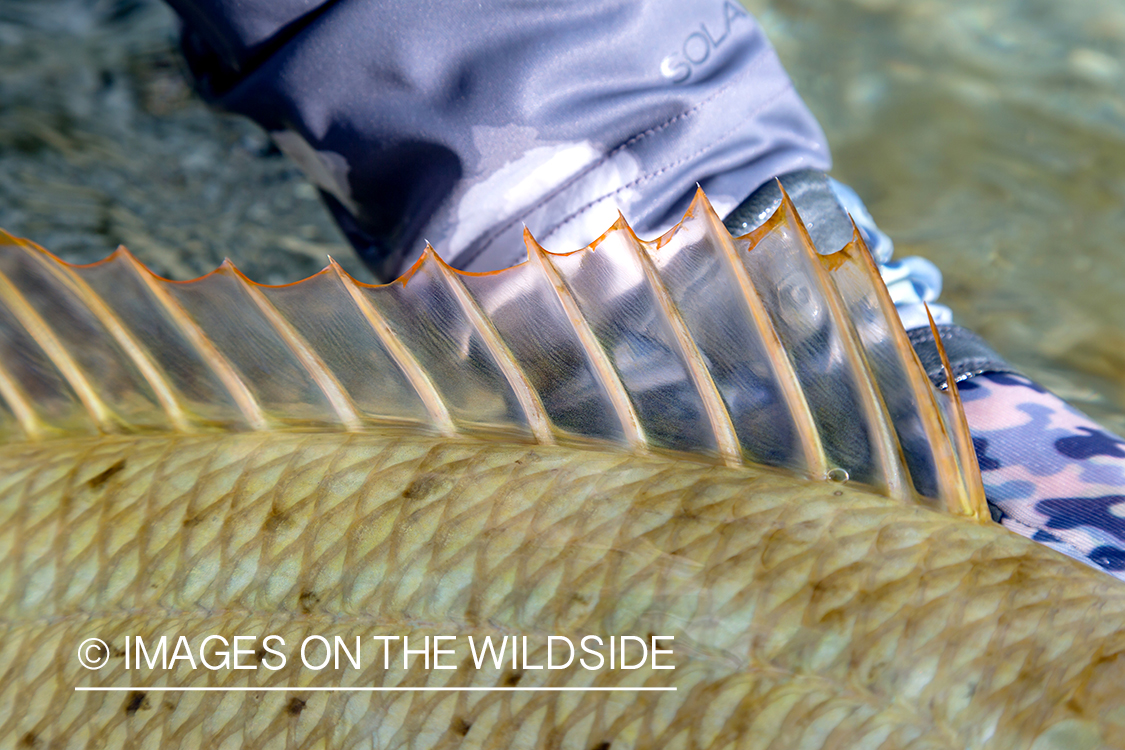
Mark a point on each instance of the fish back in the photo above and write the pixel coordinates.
(743, 351)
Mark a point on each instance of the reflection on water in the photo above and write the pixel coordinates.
(991, 139)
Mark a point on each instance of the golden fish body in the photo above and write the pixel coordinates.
(258, 498)
(803, 616)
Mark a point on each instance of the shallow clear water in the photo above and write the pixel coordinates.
(102, 143)
(987, 137)
(990, 138)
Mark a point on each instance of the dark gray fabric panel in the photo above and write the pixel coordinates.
(828, 224)
(969, 354)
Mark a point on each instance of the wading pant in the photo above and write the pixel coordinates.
(460, 123)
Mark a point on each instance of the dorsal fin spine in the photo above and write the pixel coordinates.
(726, 439)
(406, 362)
(950, 485)
(20, 405)
(883, 441)
(600, 363)
(532, 405)
(312, 363)
(136, 353)
(812, 448)
(974, 503)
(204, 347)
(45, 337)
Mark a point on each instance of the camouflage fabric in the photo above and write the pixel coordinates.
(1050, 472)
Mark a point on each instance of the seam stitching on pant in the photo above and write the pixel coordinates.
(667, 167)
(761, 58)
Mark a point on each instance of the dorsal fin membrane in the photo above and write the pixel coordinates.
(748, 350)
(909, 396)
(704, 275)
(827, 357)
(605, 407)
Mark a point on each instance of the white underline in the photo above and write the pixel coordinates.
(375, 689)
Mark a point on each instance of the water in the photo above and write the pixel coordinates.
(102, 143)
(989, 138)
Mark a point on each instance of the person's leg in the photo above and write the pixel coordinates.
(436, 121)
(1050, 472)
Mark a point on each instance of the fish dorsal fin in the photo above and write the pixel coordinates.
(750, 350)
(913, 404)
(972, 498)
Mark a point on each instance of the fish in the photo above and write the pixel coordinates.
(694, 492)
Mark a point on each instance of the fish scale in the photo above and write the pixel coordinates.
(775, 591)
(589, 444)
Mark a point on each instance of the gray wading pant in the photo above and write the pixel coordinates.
(459, 123)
